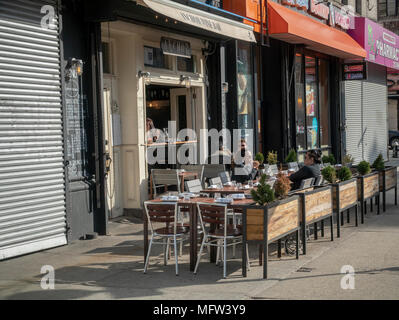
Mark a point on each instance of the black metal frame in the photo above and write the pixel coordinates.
(265, 241)
(339, 212)
(304, 223)
(363, 200)
(384, 190)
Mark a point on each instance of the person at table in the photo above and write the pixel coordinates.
(243, 160)
(311, 169)
(152, 134)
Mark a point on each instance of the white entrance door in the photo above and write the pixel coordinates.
(113, 152)
(181, 109)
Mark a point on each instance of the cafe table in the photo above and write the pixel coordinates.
(193, 214)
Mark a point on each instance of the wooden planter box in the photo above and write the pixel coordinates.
(388, 181)
(282, 217)
(317, 206)
(368, 186)
(345, 196)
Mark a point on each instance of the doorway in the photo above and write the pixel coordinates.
(112, 136)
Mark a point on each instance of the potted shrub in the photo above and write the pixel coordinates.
(272, 157)
(261, 159)
(348, 161)
(368, 186)
(388, 179)
(291, 157)
(329, 159)
(329, 174)
(282, 218)
(345, 195)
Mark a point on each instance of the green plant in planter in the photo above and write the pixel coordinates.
(379, 163)
(364, 168)
(329, 159)
(348, 160)
(264, 194)
(260, 158)
(291, 157)
(282, 186)
(272, 157)
(329, 174)
(344, 174)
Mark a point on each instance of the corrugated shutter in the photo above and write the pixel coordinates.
(353, 120)
(32, 182)
(375, 106)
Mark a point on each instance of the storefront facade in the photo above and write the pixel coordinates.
(164, 61)
(366, 99)
(301, 50)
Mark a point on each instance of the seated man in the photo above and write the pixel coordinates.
(311, 169)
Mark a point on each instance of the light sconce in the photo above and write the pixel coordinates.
(74, 69)
(186, 80)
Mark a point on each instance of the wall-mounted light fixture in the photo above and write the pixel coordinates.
(74, 68)
(142, 74)
(186, 80)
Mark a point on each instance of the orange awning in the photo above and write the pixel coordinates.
(287, 25)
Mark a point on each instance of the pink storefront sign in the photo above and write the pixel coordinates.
(381, 45)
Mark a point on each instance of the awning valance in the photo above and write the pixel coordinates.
(202, 19)
(287, 25)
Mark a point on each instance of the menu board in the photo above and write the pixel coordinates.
(76, 114)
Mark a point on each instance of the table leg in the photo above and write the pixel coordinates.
(193, 236)
(145, 227)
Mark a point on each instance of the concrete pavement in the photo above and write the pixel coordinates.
(110, 267)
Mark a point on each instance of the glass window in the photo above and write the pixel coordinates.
(106, 53)
(299, 103)
(324, 103)
(154, 57)
(245, 86)
(186, 64)
(312, 122)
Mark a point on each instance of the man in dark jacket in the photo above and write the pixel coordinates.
(310, 170)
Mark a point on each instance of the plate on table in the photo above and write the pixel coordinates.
(256, 184)
(238, 196)
(228, 184)
(170, 198)
(187, 194)
(214, 186)
(224, 200)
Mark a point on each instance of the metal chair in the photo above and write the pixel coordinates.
(225, 176)
(212, 170)
(218, 236)
(164, 178)
(216, 181)
(319, 181)
(198, 168)
(273, 169)
(164, 212)
(293, 165)
(193, 186)
(306, 183)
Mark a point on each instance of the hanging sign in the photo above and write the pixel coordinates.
(355, 71)
(175, 47)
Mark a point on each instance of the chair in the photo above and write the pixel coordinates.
(216, 181)
(319, 181)
(164, 212)
(273, 169)
(306, 183)
(165, 178)
(193, 186)
(198, 168)
(293, 165)
(212, 170)
(225, 176)
(216, 214)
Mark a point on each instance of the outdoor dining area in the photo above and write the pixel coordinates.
(205, 208)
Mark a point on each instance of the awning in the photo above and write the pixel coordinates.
(287, 25)
(202, 19)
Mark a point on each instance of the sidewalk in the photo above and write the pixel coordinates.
(110, 267)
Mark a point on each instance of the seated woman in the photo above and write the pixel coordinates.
(243, 160)
(310, 170)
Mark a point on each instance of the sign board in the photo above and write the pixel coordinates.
(355, 71)
(175, 47)
(328, 12)
(381, 45)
